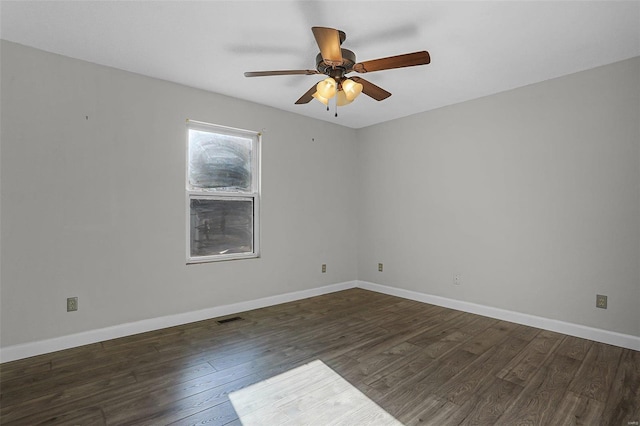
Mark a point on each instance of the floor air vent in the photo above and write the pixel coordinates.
(226, 320)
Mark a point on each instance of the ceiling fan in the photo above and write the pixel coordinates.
(336, 62)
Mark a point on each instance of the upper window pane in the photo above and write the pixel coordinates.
(219, 161)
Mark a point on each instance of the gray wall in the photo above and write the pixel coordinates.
(532, 195)
(95, 207)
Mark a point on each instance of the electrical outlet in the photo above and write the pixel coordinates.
(72, 304)
(457, 279)
(324, 268)
(379, 267)
(601, 301)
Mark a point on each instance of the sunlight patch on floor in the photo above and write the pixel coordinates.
(312, 394)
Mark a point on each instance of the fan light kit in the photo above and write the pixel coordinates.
(346, 91)
(336, 62)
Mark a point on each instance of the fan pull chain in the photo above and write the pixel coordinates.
(336, 98)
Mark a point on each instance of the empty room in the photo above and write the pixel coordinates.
(320, 212)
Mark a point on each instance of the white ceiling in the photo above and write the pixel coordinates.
(477, 48)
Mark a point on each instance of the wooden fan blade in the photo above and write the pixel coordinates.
(400, 61)
(370, 89)
(328, 40)
(281, 72)
(307, 97)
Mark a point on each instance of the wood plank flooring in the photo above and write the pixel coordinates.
(421, 363)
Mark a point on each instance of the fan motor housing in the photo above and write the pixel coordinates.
(348, 61)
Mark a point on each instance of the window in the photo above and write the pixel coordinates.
(223, 197)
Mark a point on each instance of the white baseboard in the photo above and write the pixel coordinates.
(12, 353)
(15, 352)
(577, 330)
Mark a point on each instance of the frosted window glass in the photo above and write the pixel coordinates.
(223, 182)
(219, 161)
(221, 227)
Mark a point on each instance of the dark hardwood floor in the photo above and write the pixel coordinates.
(421, 363)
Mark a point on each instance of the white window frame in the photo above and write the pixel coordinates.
(214, 194)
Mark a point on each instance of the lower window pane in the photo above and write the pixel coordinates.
(220, 227)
